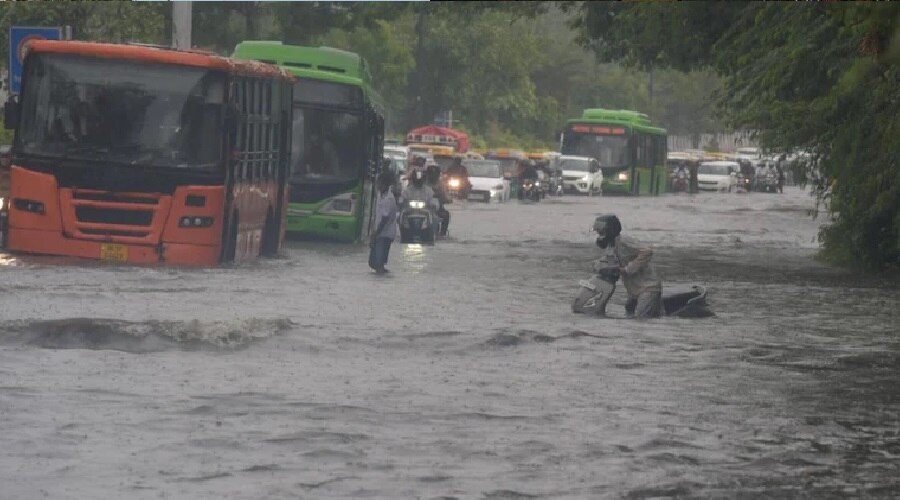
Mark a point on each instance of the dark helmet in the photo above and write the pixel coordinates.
(418, 177)
(607, 228)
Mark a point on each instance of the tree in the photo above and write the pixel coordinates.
(819, 78)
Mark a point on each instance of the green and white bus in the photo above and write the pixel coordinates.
(631, 151)
(337, 139)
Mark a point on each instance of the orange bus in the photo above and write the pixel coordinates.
(148, 155)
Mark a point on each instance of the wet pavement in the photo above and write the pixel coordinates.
(463, 373)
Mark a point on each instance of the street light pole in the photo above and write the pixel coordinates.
(181, 25)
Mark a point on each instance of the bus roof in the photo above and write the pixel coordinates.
(633, 120)
(158, 55)
(316, 63)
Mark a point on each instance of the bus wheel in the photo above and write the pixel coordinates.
(269, 247)
(231, 240)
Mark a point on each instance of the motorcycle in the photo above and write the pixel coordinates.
(418, 223)
(767, 182)
(530, 190)
(594, 294)
(743, 183)
(457, 187)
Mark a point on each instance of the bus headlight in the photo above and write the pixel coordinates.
(622, 176)
(343, 204)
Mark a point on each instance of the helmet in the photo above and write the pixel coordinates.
(418, 178)
(607, 228)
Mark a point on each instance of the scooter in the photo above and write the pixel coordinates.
(418, 223)
(594, 294)
(530, 190)
(767, 183)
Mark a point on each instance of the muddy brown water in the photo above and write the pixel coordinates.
(463, 373)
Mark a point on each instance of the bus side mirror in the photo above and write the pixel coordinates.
(11, 114)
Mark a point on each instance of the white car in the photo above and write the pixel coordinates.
(718, 175)
(393, 150)
(581, 174)
(486, 178)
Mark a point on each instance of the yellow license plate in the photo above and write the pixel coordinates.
(112, 251)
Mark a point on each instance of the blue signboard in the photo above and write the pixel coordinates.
(18, 36)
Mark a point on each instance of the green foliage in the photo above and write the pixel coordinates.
(6, 136)
(821, 79)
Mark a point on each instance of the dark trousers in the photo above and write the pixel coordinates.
(378, 253)
(444, 214)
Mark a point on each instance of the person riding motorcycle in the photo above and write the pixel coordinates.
(417, 189)
(526, 172)
(433, 179)
(633, 260)
(459, 172)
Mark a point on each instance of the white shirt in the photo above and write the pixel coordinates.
(387, 207)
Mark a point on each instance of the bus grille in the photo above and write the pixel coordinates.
(113, 197)
(113, 216)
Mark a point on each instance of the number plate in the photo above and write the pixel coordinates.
(112, 251)
(479, 197)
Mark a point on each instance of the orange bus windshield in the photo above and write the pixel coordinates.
(123, 112)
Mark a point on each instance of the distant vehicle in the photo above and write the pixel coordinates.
(752, 154)
(488, 183)
(396, 150)
(679, 166)
(630, 150)
(720, 175)
(581, 174)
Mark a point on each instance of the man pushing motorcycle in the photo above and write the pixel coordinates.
(633, 261)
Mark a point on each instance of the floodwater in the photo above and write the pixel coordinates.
(463, 373)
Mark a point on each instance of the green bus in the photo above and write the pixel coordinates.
(337, 139)
(631, 151)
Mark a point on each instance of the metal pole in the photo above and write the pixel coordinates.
(450, 119)
(181, 25)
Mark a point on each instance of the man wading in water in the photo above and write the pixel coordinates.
(638, 274)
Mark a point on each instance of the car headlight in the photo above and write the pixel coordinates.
(454, 183)
(2, 203)
(416, 204)
(622, 176)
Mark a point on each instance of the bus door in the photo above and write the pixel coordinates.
(374, 148)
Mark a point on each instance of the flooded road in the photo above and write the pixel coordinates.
(463, 373)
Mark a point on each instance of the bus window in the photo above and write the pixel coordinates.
(326, 139)
(610, 151)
